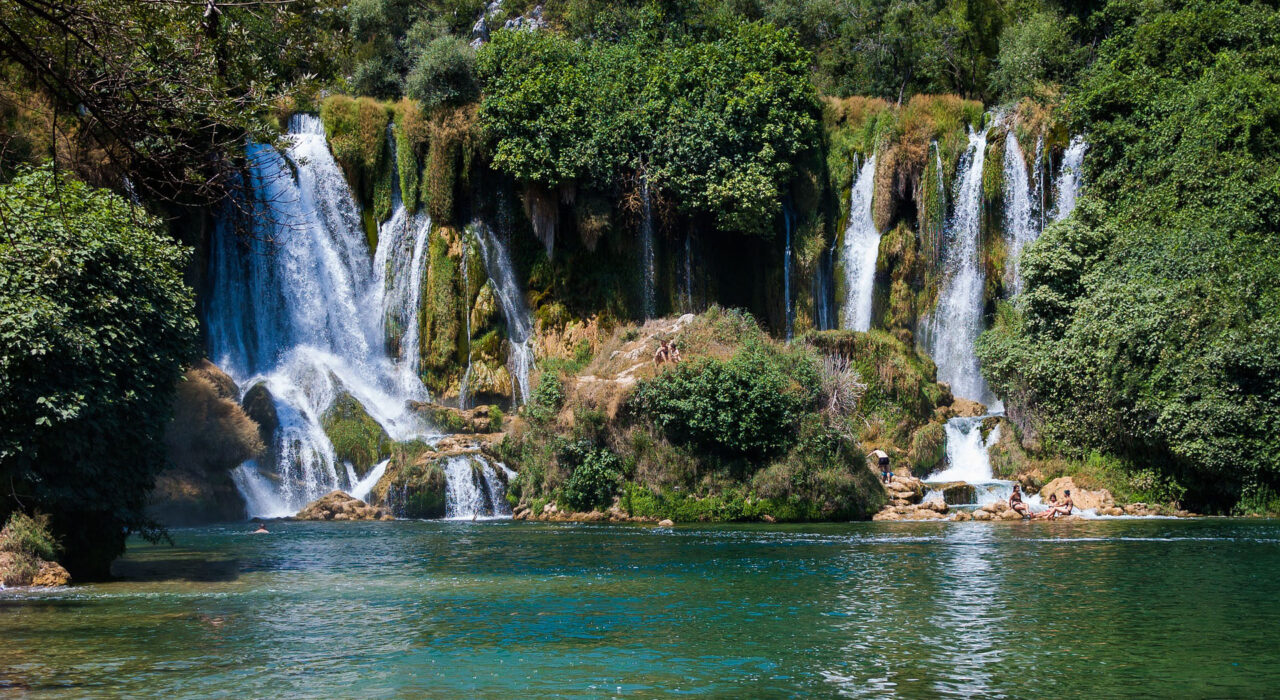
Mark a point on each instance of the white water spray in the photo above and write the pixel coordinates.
(515, 310)
(954, 325)
(1070, 178)
(1019, 219)
(861, 248)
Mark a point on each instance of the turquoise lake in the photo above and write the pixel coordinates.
(1170, 608)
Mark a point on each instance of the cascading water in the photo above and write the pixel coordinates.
(1070, 178)
(1038, 177)
(497, 263)
(465, 383)
(686, 280)
(954, 325)
(648, 256)
(861, 248)
(968, 461)
(474, 489)
(287, 310)
(1019, 219)
(786, 271)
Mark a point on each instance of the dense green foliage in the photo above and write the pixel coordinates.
(747, 406)
(593, 478)
(95, 325)
(718, 124)
(1151, 322)
(356, 436)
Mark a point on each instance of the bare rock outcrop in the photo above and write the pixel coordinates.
(337, 505)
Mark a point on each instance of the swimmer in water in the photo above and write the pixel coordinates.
(262, 530)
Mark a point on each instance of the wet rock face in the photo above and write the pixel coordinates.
(958, 493)
(341, 506)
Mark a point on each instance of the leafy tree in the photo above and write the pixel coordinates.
(1149, 325)
(95, 325)
(443, 74)
(1034, 53)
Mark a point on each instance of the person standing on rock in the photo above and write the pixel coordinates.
(883, 458)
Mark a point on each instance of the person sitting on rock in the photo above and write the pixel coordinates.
(1052, 510)
(1017, 504)
(673, 353)
(662, 354)
(1066, 506)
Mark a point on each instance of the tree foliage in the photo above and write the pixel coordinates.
(1151, 322)
(718, 124)
(95, 325)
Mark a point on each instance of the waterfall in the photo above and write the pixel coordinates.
(861, 248)
(686, 281)
(968, 460)
(464, 383)
(288, 308)
(786, 271)
(1070, 178)
(954, 325)
(648, 259)
(823, 316)
(497, 263)
(1039, 181)
(473, 488)
(1019, 220)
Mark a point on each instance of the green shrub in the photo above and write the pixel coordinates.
(25, 534)
(594, 477)
(749, 406)
(496, 417)
(443, 74)
(549, 393)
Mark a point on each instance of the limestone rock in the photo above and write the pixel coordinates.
(960, 516)
(1082, 498)
(964, 408)
(982, 515)
(337, 505)
(666, 523)
(1010, 514)
(209, 435)
(957, 493)
(51, 574)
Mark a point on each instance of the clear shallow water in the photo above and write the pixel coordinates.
(1152, 608)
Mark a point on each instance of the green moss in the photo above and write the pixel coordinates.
(356, 436)
(407, 119)
(417, 489)
(928, 448)
(443, 350)
(356, 130)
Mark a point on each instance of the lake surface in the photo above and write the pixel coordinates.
(490, 609)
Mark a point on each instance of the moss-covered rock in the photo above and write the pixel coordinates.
(356, 436)
(414, 485)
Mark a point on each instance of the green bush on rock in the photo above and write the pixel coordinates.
(593, 478)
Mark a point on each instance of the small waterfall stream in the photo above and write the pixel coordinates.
(1019, 218)
(497, 263)
(861, 248)
(968, 460)
(1070, 178)
(648, 256)
(474, 488)
(954, 325)
(787, 217)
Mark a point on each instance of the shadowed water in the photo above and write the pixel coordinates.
(449, 609)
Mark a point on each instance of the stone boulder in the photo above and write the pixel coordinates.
(210, 434)
(957, 493)
(481, 419)
(1082, 498)
(904, 490)
(337, 505)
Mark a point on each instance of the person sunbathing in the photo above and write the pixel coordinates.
(662, 355)
(1052, 510)
(1017, 504)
